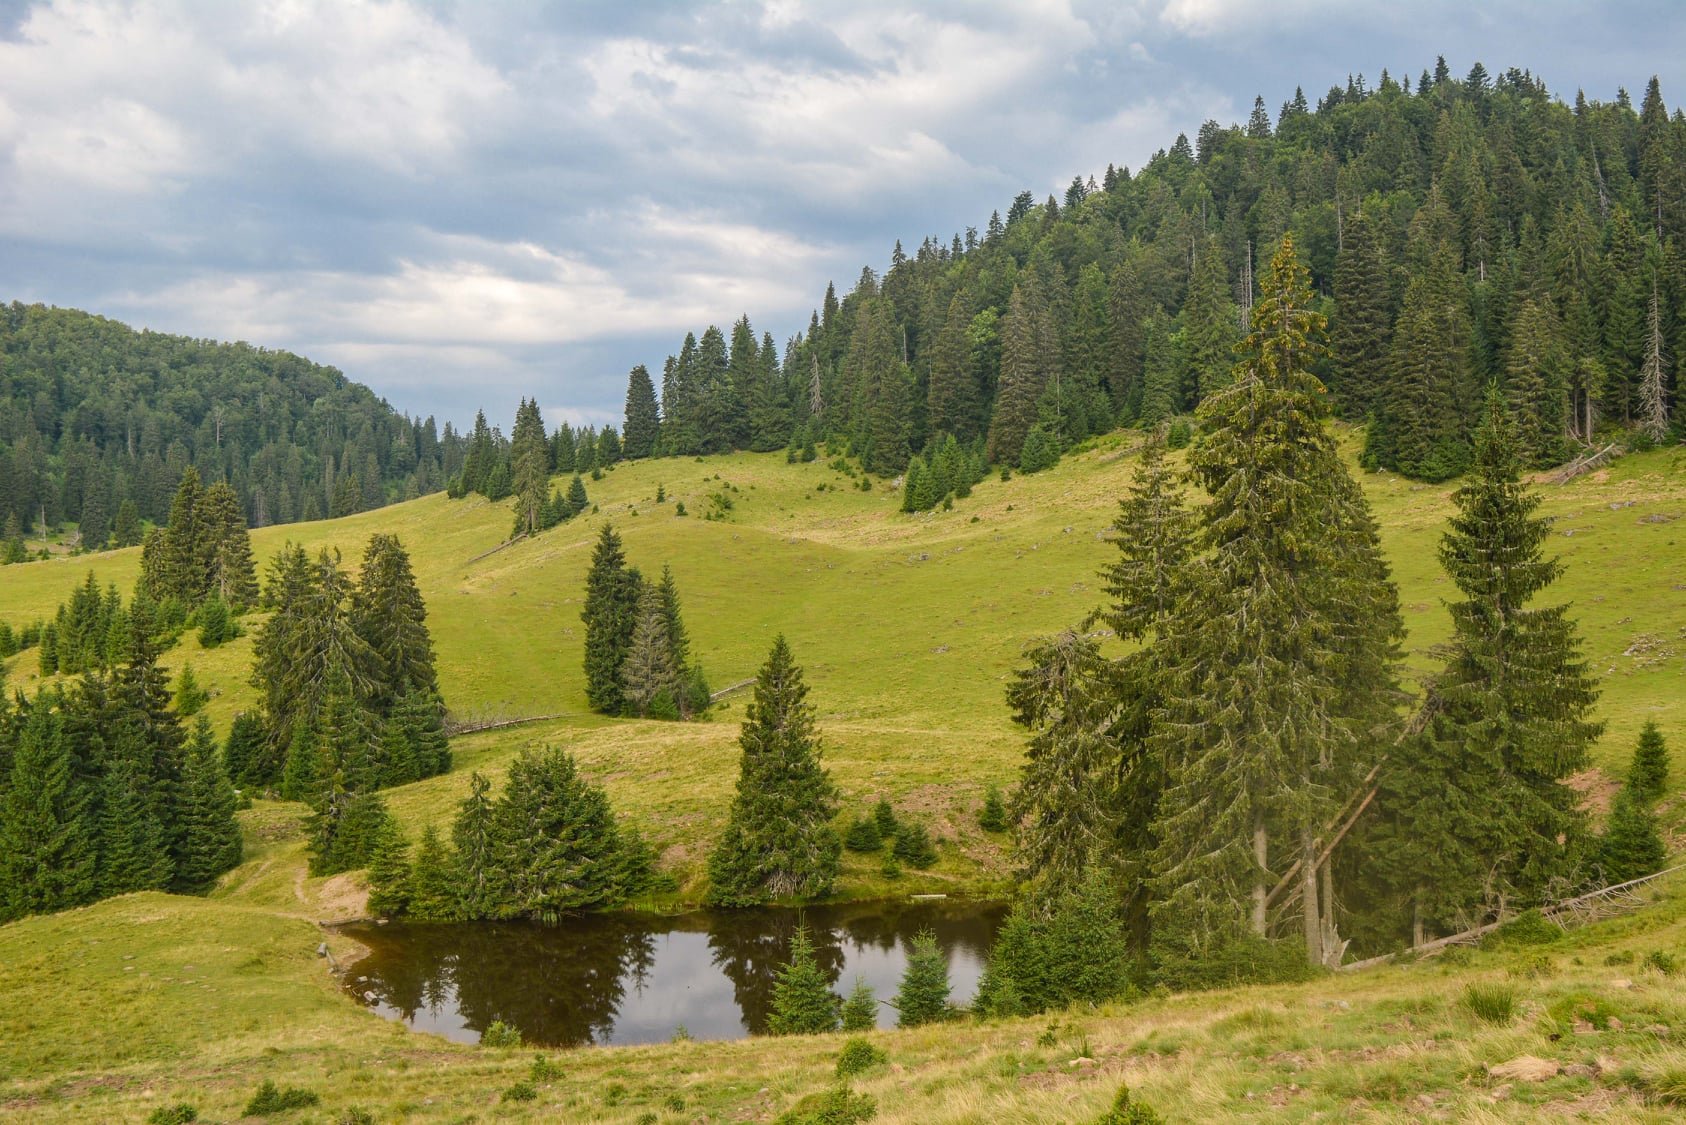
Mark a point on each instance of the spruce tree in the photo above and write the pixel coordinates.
(474, 840)
(1647, 777)
(1631, 846)
(611, 617)
(1536, 384)
(434, 892)
(389, 616)
(1473, 813)
(209, 841)
(226, 549)
(778, 841)
(132, 853)
(648, 670)
(247, 757)
(47, 851)
(1279, 662)
(389, 871)
(529, 454)
(803, 1003)
(860, 1009)
(952, 392)
(1021, 385)
(126, 531)
(555, 845)
(923, 995)
(643, 417)
(1360, 329)
(1209, 325)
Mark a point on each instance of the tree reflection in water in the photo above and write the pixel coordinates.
(633, 978)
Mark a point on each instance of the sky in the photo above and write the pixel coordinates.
(465, 204)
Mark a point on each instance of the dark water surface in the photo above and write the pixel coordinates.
(636, 978)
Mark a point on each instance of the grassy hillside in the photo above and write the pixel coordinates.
(908, 626)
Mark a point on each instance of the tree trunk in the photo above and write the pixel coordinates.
(1416, 919)
(1261, 856)
(1309, 898)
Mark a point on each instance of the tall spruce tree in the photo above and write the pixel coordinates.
(1421, 432)
(1280, 661)
(778, 841)
(529, 455)
(1209, 325)
(388, 614)
(208, 844)
(611, 617)
(643, 417)
(47, 850)
(1474, 816)
(1362, 324)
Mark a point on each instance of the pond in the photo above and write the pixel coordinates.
(640, 978)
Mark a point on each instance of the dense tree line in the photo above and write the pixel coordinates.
(637, 652)
(1458, 232)
(1208, 773)
(103, 791)
(521, 466)
(98, 422)
(548, 845)
(351, 699)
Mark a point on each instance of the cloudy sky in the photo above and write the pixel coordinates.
(464, 203)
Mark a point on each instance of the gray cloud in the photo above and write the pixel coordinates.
(464, 204)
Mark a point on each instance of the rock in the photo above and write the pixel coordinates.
(1660, 1030)
(1581, 1070)
(1621, 983)
(1526, 1068)
(1500, 1093)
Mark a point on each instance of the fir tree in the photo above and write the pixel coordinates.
(1362, 325)
(1279, 661)
(433, 888)
(611, 617)
(389, 616)
(577, 499)
(226, 549)
(190, 697)
(778, 841)
(860, 1009)
(529, 454)
(643, 417)
(1647, 777)
(47, 853)
(132, 853)
(389, 871)
(126, 531)
(1421, 432)
(1536, 384)
(555, 844)
(803, 1003)
(648, 670)
(1022, 382)
(247, 757)
(472, 833)
(923, 996)
(1209, 325)
(209, 840)
(1631, 846)
(1474, 814)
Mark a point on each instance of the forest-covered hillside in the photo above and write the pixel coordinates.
(98, 421)
(1458, 232)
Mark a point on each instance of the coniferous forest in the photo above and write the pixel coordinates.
(1457, 232)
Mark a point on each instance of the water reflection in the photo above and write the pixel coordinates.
(635, 978)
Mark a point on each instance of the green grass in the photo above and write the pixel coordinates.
(908, 627)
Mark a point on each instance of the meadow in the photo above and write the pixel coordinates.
(908, 627)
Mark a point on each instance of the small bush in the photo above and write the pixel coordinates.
(1664, 963)
(857, 1057)
(1493, 1003)
(521, 1092)
(1179, 435)
(648, 1117)
(1532, 966)
(993, 817)
(1526, 929)
(545, 1071)
(675, 1102)
(180, 1114)
(269, 1099)
(891, 868)
(863, 836)
(679, 508)
(840, 1106)
(500, 1034)
(884, 816)
(355, 1115)
(1624, 957)
(1126, 1112)
(914, 847)
(860, 1010)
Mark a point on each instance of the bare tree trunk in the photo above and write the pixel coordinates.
(1308, 898)
(1416, 919)
(1261, 856)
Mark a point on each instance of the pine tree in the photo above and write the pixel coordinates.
(388, 614)
(472, 834)
(247, 758)
(923, 996)
(47, 853)
(778, 841)
(529, 455)
(1421, 429)
(952, 394)
(226, 549)
(1209, 325)
(190, 697)
(803, 1003)
(389, 871)
(648, 670)
(126, 532)
(555, 844)
(434, 893)
(1022, 382)
(132, 854)
(1360, 330)
(1647, 777)
(1631, 846)
(643, 417)
(1279, 662)
(209, 835)
(1474, 814)
(577, 500)
(611, 617)
(1536, 384)
(860, 1010)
